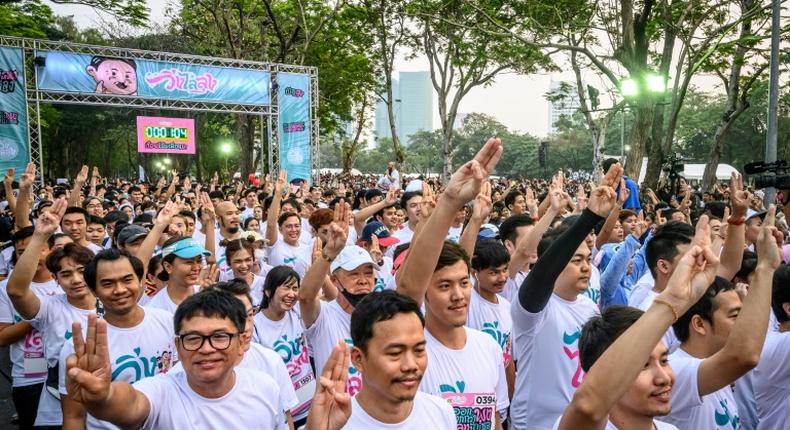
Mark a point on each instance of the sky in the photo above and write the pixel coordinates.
(515, 100)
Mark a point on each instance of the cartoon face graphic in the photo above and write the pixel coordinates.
(113, 75)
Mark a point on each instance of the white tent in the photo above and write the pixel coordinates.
(693, 172)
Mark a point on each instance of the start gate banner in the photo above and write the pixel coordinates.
(113, 76)
(165, 135)
(14, 145)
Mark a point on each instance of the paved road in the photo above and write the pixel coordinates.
(6, 405)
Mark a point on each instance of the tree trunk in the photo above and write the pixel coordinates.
(245, 135)
(638, 139)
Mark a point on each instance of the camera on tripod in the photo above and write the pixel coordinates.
(765, 175)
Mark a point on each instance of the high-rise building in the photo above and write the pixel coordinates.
(566, 104)
(413, 96)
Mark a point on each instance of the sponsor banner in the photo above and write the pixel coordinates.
(294, 124)
(13, 112)
(165, 135)
(83, 73)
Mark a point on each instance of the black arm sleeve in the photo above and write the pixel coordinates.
(536, 290)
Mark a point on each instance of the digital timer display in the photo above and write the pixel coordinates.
(168, 133)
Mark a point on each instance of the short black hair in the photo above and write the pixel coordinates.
(237, 287)
(133, 188)
(211, 303)
(293, 202)
(187, 214)
(404, 199)
(93, 219)
(284, 217)
(76, 210)
(508, 228)
(663, 245)
(608, 163)
(705, 307)
(748, 265)
(78, 253)
(216, 194)
(489, 254)
(276, 277)
(112, 254)
(601, 331)
(22, 234)
(781, 292)
(54, 237)
(451, 254)
(377, 307)
(116, 216)
(549, 237)
(510, 198)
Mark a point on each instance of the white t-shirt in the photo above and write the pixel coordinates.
(512, 285)
(471, 378)
(609, 426)
(404, 235)
(428, 412)
(641, 289)
(29, 366)
(494, 319)
(252, 403)
(286, 338)
(94, 248)
(690, 411)
(332, 325)
(54, 319)
(162, 300)
(295, 257)
(256, 287)
(669, 338)
(385, 280)
(772, 382)
(138, 352)
(454, 234)
(546, 348)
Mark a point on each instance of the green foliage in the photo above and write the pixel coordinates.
(26, 19)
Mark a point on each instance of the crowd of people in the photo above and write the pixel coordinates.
(395, 302)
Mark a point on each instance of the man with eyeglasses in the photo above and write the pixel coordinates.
(211, 393)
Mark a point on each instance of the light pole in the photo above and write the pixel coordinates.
(225, 149)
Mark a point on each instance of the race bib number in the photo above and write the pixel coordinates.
(473, 411)
(35, 365)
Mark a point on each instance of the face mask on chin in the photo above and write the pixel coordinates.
(353, 299)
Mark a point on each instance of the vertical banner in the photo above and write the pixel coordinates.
(13, 111)
(293, 97)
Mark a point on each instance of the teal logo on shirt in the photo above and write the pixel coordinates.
(499, 336)
(460, 385)
(724, 418)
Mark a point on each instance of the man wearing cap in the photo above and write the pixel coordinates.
(754, 222)
(182, 259)
(131, 237)
(354, 274)
(376, 239)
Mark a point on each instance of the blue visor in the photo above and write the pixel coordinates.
(186, 248)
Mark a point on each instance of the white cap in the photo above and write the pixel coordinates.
(415, 185)
(350, 258)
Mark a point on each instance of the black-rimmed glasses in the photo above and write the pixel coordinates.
(219, 341)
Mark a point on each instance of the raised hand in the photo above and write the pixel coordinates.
(279, 186)
(95, 174)
(82, 176)
(739, 198)
(624, 193)
(207, 214)
(602, 199)
(581, 198)
(49, 221)
(331, 406)
(26, 179)
(89, 373)
(338, 231)
(9, 177)
(428, 201)
(466, 182)
(769, 242)
(166, 214)
(531, 201)
(317, 248)
(375, 250)
(209, 276)
(694, 273)
(392, 197)
(483, 203)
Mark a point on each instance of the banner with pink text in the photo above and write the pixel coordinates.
(126, 76)
(165, 135)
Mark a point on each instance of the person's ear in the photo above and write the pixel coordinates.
(786, 308)
(664, 267)
(698, 325)
(356, 358)
(167, 266)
